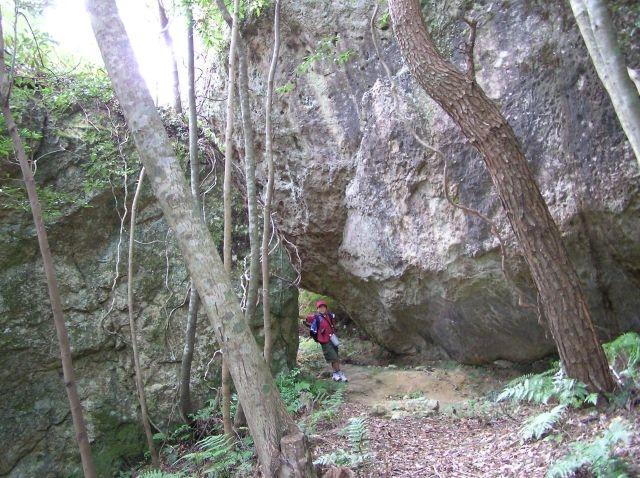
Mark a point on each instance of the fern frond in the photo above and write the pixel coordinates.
(357, 433)
(592, 398)
(624, 355)
(597, 455)
(160, 474)
(342, 458)
(537, 426)
(545, 387)
(533, 388)
(211, 448)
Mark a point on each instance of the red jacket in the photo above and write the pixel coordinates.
(324, 326)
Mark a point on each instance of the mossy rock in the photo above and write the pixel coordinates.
(119, 444)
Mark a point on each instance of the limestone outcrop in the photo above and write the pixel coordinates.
(83, 210)
(363, 201)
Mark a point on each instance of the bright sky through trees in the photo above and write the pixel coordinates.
(68, 24)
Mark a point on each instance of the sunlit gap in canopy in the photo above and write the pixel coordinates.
(67, 21)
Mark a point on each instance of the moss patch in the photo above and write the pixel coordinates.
(119, 444)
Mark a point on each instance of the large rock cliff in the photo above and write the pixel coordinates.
(356, 194)
(363, 200)
(82, 159)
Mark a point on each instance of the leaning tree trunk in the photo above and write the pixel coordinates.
(480, 120)
(47, 260)
(142, 399)
(166, 36)
(282, 449)
(226, 195)
(268, 194)
(599, 36)
(192, 314)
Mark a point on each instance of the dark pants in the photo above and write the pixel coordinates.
(330, 352)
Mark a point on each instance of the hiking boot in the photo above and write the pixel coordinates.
(343, 377)
(336, 377)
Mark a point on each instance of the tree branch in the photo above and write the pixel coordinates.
(469, 47)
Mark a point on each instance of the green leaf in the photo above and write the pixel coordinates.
(537, 426)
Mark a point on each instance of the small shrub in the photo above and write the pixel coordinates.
(286, 88)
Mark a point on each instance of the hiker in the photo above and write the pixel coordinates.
(323, 331)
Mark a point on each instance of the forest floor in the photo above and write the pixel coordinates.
(466, 434)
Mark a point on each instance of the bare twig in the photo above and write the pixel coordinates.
(123, 217)
(144, 413)
(12, 72)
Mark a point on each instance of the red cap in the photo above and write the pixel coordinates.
(320, 303)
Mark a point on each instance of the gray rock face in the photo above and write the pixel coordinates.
(35, 423)
(364, 202)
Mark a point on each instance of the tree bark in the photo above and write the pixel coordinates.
(144, 413)
(226, 193)
(166, 36)
(267, 418)
(482, 123)
(599, 36)
(250, 174)
(192, 314)
(268, 194)
(68, 372)
(249, 167)
(250, 178)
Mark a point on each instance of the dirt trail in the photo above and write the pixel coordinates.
(374, 385)
(466, 437)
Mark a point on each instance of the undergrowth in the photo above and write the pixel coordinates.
(554, 387)
(201, 448)
(310, 400)
(598, 455)
(357, 452)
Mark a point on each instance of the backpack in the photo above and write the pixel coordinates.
(309, 320)
(313, 322)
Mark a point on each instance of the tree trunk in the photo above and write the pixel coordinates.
(249, 167)
(226, 193)
(599, 35)
(52, 284)
(268, 420)
(144, 413)
(192, 314)
(482, 123)
(268, 194)
(187, 354)
(166, 36)
(250, 178)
